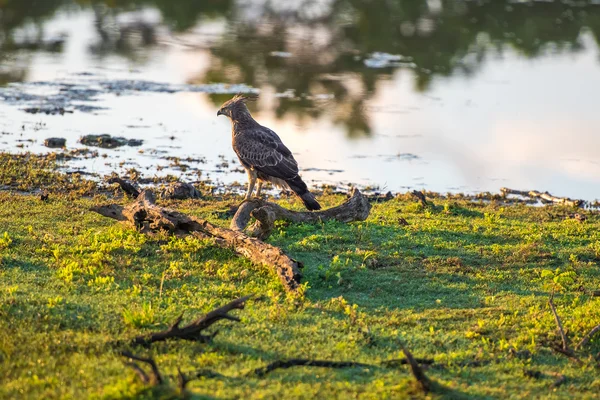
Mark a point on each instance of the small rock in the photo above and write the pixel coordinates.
(180, 191)
(108, 142)
(55, 142)
(48, 110)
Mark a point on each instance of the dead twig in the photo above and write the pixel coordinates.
(193, 331)
(565, 341)
(565, 349)
(156, 378)
(588, 337)
(182, 381)
(140, 372)
(417, 371)
(405, 361)
(300, 362)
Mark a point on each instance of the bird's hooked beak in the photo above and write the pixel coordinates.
(220, 113)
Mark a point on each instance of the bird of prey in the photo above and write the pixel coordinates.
(263, 154)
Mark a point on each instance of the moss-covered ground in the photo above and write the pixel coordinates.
(465, 283)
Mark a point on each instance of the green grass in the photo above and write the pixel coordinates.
(464, 282)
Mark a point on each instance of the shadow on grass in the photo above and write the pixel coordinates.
(430, 269)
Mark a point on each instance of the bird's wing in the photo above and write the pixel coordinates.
(263, 150)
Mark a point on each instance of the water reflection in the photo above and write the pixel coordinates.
(358, 67)
(327, 47)
(325, 43)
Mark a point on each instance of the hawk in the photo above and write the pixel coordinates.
(263, 154)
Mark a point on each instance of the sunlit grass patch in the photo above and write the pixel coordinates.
(464, 283)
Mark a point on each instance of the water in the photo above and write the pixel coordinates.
(442, 95)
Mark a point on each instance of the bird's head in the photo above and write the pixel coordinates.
(235, 108)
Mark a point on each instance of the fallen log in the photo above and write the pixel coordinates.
(356, 208)
(544, 196)
(148, 217)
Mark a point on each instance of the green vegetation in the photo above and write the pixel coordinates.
(465, 283)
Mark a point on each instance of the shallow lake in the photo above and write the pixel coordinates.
(441, 95)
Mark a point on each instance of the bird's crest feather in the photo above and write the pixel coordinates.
(244, 97)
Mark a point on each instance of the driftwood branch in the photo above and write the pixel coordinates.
(148, 217)
(544, 196)
(355, 208)
(193, 331)
(156, 378)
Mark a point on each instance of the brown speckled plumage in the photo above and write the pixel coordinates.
(262, 153)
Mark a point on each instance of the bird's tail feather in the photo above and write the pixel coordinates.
(310, 202)
(299, 187)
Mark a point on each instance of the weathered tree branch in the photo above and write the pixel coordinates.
(356, 208)
(545, 196)
(193, 331)
(147, 216)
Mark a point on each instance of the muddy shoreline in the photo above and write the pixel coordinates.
(104, 184)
